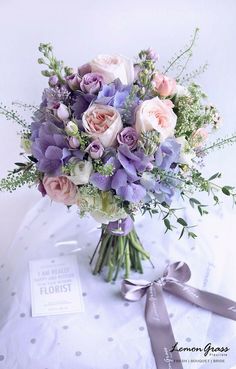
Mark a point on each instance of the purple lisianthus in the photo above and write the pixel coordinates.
(95, 149)
(128, 136)
(73, 81)
(91, 83)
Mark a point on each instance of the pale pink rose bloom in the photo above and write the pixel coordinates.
(112, 67)
(60, 189)
(163, 85)
(156, 114)
(199, 137)
(102, 122)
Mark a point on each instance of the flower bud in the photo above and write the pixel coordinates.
(53, 81)
(41, 61)
(71, 128)
(62, 112)
(73, 81)
(74, 142)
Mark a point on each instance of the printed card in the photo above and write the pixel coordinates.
(55, 286)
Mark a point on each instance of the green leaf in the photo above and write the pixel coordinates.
(167, 224)
(225, 191)
(20, 164)
(216, 175)
(194, 201)
(182, 222)
(200, 210)
(182, 232)
(192, 235)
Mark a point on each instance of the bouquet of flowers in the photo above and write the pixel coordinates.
(115, 137)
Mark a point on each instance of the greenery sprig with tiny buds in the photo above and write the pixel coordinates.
(104, 169)
(55, 67)
(11, 114)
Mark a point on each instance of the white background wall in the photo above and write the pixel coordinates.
(81, 29)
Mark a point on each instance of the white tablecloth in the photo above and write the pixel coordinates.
(111, 333)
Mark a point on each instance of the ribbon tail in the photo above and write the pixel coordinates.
(215, 303)
(160, 330)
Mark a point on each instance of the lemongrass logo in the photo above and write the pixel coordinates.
(207, 350)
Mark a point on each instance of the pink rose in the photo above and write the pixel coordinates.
(60, 189)
(163, 85)
(102, 122)
(112, 67)
(156, 114)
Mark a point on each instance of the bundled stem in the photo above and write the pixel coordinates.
(117, 252)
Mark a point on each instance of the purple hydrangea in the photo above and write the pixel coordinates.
(114, 94)
(49, 148)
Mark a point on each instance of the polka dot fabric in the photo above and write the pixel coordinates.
(111, 333)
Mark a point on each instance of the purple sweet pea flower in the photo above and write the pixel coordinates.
(100, 181)
(121, 227)
(132, 192)
(91, 83)
(132, 161)
(167, 154)
(128, 136)
(95, 149)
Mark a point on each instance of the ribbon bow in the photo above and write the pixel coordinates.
(156, 315)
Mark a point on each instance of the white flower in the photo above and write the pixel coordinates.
(102, 206)
(102, 122)
(80, 171)
(181, 91)
(158, 115)
(186, 152)
(112, 67)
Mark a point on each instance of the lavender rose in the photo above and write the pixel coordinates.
(95, 149)
(91, 83)
(128, 136)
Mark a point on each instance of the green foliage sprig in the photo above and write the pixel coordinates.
(55, 66)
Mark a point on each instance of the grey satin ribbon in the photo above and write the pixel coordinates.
(156, 315)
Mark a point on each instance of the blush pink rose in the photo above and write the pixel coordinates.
(112, 67)
(158, 115)
(163, 85)
(102, 122)
(60, 189)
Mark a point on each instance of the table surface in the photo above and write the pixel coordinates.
(111, 333)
